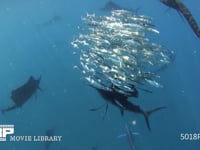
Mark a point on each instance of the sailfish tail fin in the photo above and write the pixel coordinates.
(148, 113)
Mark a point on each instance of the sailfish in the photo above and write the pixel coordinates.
(121, 101)
(181, 8)
(22, 94)
(110, 5)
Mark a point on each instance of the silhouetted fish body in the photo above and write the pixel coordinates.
(54, 19)
(22, 94)
(49, 132)
(121, 101)
(180, 7)
(109, 6)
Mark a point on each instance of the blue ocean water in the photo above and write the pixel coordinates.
(35, 40)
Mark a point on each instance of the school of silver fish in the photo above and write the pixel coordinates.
(115, 51)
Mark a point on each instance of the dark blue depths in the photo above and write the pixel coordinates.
(35, 40)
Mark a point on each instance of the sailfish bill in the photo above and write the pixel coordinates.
(22, 94)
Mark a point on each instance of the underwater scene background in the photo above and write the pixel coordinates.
(36, 40)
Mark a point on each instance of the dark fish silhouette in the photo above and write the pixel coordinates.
(181, 8)
(49, 132)
(109, 6)
(22, 94)
(54, 19)
(121, 101)
(93, 148)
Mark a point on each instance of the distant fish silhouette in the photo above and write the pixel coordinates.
(109, 6)
(22, 94)
(49, 132)
(181, 8)
(93, 148)
(54, 19)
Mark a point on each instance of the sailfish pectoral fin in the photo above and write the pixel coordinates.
(148, 113)
(146, 117)
(100, 107)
